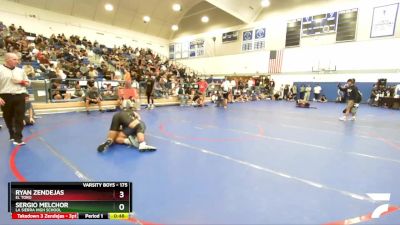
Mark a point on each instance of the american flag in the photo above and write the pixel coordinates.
(275, 61)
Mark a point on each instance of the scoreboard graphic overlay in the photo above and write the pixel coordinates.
(70, 200)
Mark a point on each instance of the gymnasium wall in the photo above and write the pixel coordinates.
(365, 59)
(47, 23)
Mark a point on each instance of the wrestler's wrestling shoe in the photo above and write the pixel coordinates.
(143, 147)
(104, 146)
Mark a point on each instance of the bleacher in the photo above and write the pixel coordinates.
(41, 90)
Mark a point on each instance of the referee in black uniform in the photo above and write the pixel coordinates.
(13, 83)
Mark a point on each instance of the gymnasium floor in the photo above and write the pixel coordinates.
(254, 163)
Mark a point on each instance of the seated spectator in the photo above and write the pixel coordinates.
(109, 75)
(277, 96)
(255, 96)
(323, 99)
(29, 113)
(29, 71)
(77, 92)
(92, 96)
(56, 91)
(92, 74)
(183, 95)
(109, 93)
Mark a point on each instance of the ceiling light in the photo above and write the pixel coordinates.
(109, 7)
(174, 27)
(265, 3)
(146, 19)
(176, 7)
(205, 19)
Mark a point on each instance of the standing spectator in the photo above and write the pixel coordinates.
(226, 88)
(271, 87)
(127, 76)
(150, 91)
(294, 91)
(13, 83)
(136, 87)
(317, 92)
(202, 87)
(307, 93)
(302, 91)
(351, 91)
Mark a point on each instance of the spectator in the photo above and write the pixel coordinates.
(92, 96)
(294, 91)
(323, 99)
(317, 92)
(29, 71)
(150, 91)
(352, 91)
(29, 113)
(109, 93)
(302, 91)
(203, 85)
(183, 95)
(307, 93)
(77, 92)
(92, 74)
(286, 92)
(226, 88)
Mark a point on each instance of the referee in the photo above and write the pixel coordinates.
(13, 83)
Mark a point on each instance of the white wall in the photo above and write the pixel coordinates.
(47, 23)
(380, 54)
(356, 59)
(248, 63)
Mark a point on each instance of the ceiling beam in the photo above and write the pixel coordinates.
(245, 13)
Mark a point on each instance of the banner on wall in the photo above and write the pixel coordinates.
(171, 51)
(384, 20)
(248, 35)
(196, 48)
(230, 36)
(259, 33)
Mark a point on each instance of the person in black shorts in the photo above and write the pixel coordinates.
(126, 128)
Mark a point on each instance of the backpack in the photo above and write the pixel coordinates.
(358, 98)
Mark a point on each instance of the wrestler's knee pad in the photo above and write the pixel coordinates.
(141, 127)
